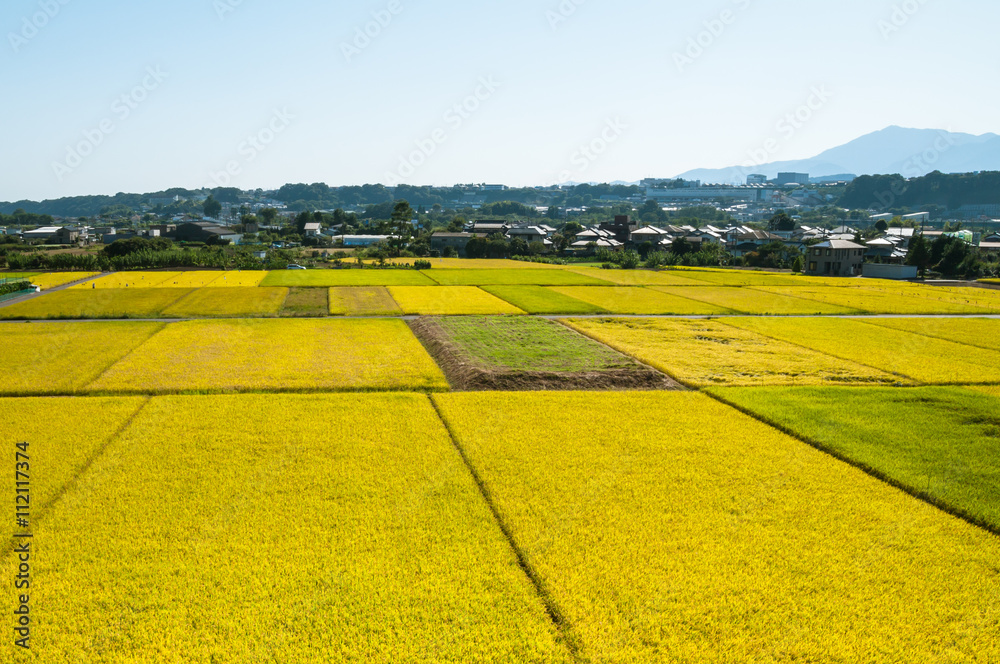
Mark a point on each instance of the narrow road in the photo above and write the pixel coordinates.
(31, 296)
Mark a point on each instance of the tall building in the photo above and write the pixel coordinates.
(792, 178)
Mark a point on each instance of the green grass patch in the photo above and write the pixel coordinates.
(330, 278)
(542, 300)
(515, 277)
(527, 344)
(940, 443)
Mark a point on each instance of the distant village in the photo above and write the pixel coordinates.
(845, 249)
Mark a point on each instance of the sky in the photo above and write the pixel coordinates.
(107, 96)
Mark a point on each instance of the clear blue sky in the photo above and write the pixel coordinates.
(560, 80)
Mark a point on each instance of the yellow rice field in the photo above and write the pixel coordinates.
(99, 303)
(362, 301)
(881, 301)
(922, 358)
(134, 280)
(448, 301)
(702, 353)
(239, 279)
(56, 279)
(979, 332)
(639, 277)
(667, 527)
(638, 300)
(63, 435)
(757, 302)
(228, 302)
(63, 358)
(293, 529)
(276, 355)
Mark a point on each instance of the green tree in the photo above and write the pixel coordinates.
(269, 215)
(402, 216)
(920, 254)
(781, 222)
(882, 225)
(212, 208)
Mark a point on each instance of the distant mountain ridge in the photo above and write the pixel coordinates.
(908, 152)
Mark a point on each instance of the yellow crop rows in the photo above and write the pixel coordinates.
(758, 302)
(228, 302)
(136, 280)
(702, 353)
(63, 358)
(639, 277)
(979, 332)
(887, 300)
(284, 354)
(925, 359)
(638, 300)
(449, 300)
(239, 279)
(98, 303)
(667, 527)
(56, 279)
(294, 529)
(62, 436)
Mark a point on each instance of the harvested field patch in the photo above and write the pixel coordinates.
(522, 353)
(363, 301)
(306, 303)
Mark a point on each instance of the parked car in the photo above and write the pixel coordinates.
(293, 266)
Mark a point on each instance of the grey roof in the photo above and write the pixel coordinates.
(837, 244)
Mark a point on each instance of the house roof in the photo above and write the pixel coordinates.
(312, 226)
(837, 244)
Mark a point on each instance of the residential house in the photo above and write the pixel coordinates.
(457, 241)
(835, 258)
(313, 229)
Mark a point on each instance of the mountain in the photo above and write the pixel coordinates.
(908, 152)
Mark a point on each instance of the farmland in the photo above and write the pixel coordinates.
(541, 300)
(330, 278)
(228, 303)
(503, 352)
(519, 277)
(60, 442)
(756, 302)
(363, 465)
(924, 359)
(98, 303)
(56, 279)
(362, 301)
(638, 300)
(449, 301)
(724, 541)
(374, 536)
(887, 301)
(63, 358)
(275, 355)
(937, 442)
(702, 353)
